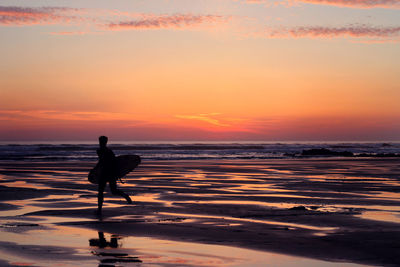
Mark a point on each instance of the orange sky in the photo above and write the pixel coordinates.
(231, 70)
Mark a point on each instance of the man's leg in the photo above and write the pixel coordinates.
(100, 196)
(115, 191)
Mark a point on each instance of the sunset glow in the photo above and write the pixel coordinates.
(200, 70)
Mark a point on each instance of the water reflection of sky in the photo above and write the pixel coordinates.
(70, 244)
(169, 192)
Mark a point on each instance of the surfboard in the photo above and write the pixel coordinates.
(124, 165)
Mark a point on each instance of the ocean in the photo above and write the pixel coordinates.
(86, 151)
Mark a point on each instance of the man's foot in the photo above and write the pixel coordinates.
(129, 200)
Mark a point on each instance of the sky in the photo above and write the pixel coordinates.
(262, 70)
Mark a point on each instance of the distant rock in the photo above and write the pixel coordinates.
(298, 208)
(326, 152)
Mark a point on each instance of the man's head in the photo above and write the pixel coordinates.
(103, 140)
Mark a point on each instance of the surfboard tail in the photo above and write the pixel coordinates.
(126, 163)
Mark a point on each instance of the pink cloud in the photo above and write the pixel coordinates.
(356, 3)
(275, 128)
(23, 115)
(96, 19)
(353, 31)
(166, 21)
(340, 3)
(12, 15)
(204, 117)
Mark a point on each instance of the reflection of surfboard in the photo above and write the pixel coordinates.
(124, 165)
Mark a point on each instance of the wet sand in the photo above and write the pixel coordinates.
(300, 212)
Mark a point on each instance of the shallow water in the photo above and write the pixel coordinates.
(278, 199)
(68, 246)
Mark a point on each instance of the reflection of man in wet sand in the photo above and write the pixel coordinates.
(103, 243)
(113, 257)
(108, 173)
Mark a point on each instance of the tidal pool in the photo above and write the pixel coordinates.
(72, 246)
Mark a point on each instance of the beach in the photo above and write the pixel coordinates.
(235, 133)
(286, 212)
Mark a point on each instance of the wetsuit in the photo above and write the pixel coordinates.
(107, 161)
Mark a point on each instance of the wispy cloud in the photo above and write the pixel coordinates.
(13, 15)
(355, 3)
(340, 3)
(353, 31)
(64, 115)
(103, 20)
(204, 117)
(167, 21)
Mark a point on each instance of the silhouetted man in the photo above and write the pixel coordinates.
(107, 162)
